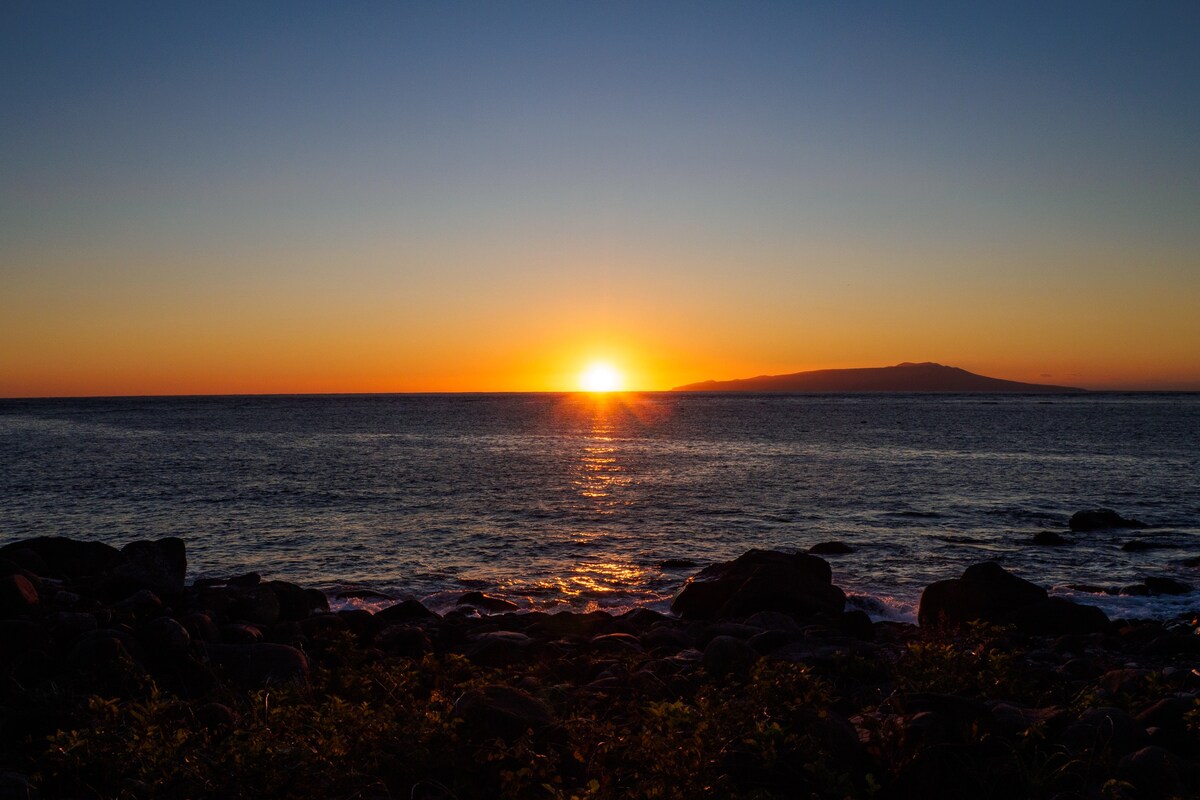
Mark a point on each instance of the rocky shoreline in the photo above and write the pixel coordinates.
(119, 680)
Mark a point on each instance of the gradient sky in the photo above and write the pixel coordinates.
(327, 197)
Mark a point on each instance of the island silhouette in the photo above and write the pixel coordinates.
(926, 376)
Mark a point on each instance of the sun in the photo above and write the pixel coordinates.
(600, 377)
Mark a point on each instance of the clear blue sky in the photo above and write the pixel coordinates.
(199, 193)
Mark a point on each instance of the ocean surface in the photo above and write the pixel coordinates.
(574, 501)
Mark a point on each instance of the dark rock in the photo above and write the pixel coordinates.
(320, 625)
(60, 557)
(761, 580)
(857, 624)
(501, 711)
(1099, 519)
(830, 549)
(497, 648)
(726, 655)
(616, 643)
(989, 593)
(255, 666)
(1059, 615)
(20, 635)
(166, 636)
(1136, 589)
(142, 603)
(676, 563)
(568, 623)
(1051, 539)
(404, 641)
(406, 611)
(1166, 586)
(245, 581)
(240, 633)
(1168, 719)
(1014, 720)
(159, 566)
(486, 603)
(18, 597)
(296, 602)
(362, 594)
(1193, 562)
(1116, 681)
(1101, 729)
(1156, 772)
(201, 627)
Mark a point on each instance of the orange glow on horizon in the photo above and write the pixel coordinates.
(601, 377)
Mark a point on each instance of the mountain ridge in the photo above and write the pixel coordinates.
(907, 376)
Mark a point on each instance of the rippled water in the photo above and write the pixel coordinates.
(576, 499)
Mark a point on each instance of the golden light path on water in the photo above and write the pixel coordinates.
(600, 481)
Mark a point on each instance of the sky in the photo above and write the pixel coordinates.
(236, 198)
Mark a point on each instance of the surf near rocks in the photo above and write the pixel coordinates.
(196, 693)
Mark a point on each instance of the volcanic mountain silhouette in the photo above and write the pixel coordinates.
(907, 377)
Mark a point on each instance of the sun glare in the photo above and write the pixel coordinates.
(600, 377)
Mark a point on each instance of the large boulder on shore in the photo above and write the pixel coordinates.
(1100, 519)
(761, 580)
(989, 593)
(60, 557)
(158, 565)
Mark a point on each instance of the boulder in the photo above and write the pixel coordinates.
(497, 648)
(254, 666)
(406, 611)
(1100, 519)
(761, 580)
(830, 549)
(727, 655)
(159, 566)
(485, 602)
(296, 602)
(18, 597)
(501, 711)
(1050, 539)
(987, 592)
(1158, 585)
(60, 557)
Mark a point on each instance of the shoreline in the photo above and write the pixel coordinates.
(124, 680)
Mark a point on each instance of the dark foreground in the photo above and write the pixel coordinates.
(120, 681)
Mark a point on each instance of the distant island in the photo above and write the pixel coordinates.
(907, 377)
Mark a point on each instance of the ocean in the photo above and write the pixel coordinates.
(576, 501)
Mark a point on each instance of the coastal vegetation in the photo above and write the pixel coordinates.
(121, 681)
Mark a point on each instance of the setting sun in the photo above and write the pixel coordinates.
(600, 377)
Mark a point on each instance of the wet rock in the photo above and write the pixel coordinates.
(727, 655)
(1158, 585)
(677, 563)
(1099, 519)
(568, 623)
(158, 565)
(484, 602)
(406, 611)
(60, 557)
(830, 549)
(295, 602)
(1051, 539)
(761, 580)
(362, 594)
(18, 597)
(989, 593)
(501, 711)
(857, 624)
(255, 666)
(1193, 562)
